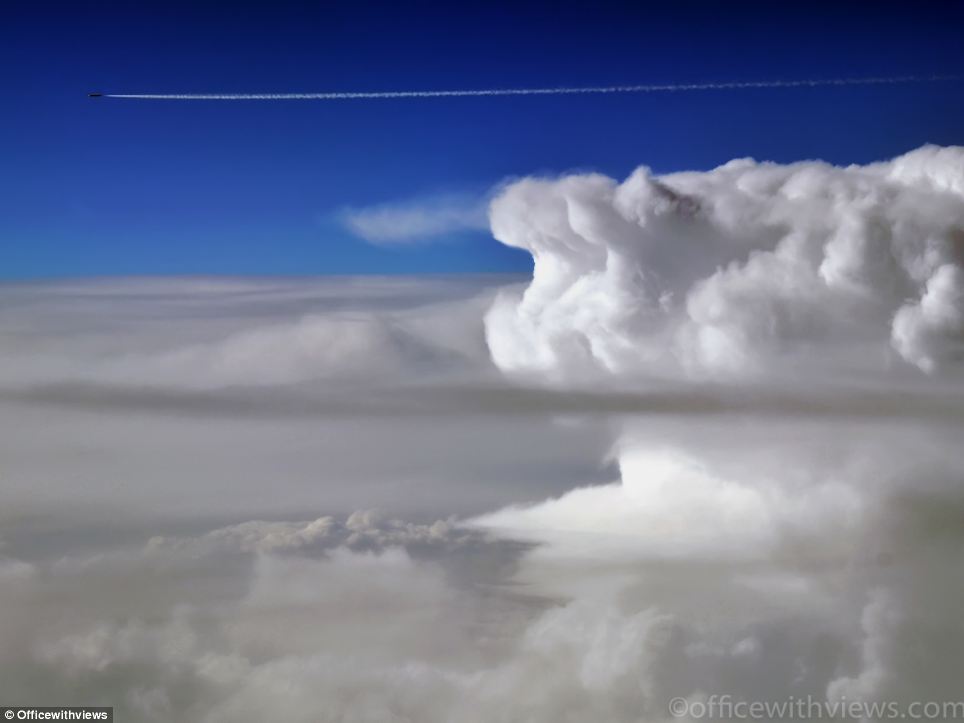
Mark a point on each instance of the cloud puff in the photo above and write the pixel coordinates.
(737, 270)
(417, 220)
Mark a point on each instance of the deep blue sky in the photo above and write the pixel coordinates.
(100, 187)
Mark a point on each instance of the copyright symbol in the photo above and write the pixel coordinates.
(678, 707)
(9, 714)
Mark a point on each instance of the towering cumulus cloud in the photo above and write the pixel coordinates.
(734, 270)
(794, 546)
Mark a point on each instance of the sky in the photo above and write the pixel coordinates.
(99, 187)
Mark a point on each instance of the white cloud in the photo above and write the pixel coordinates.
(740, 270)
(417, 220)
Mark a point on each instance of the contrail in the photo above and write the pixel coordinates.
(668, 88)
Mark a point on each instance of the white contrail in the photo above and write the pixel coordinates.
(537, 91)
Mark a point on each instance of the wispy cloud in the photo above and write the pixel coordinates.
(418, 220)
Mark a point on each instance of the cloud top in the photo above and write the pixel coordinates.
(738, 270)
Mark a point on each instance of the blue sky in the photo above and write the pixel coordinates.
(105, 187)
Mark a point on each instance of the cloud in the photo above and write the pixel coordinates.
(196, 334)
(131, 401)
(756, 492)
(742, 270)
(363, 530)
(742, 477)
(435, 622)
(671, 504)
(418, 220)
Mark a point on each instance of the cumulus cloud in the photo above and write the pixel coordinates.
(738, 270)
(417, 220)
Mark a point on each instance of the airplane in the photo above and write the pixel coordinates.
(95, 95)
